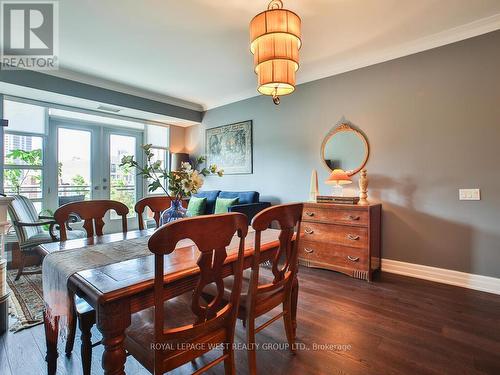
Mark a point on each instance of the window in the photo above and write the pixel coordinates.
(25, 118)
(73, 165)
(24, 140)
(161, 155)
(54, 155)
(158, 136)
(122, 180)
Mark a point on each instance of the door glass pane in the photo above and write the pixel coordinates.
(122, 183)
(74, 165)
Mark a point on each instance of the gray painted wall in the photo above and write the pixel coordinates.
(433, 123)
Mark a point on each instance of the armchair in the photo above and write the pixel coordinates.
(30, 231)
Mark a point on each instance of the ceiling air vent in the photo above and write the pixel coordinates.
(108, 109)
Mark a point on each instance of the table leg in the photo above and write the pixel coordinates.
(51, 336)
(295, 299)
(112, 320)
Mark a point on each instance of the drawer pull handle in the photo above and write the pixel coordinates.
(352, 237)
(352, 259)
(309, 251)
(353, 218)
(308, 231)
(308, 213)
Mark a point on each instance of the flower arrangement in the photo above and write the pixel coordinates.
(181, 184)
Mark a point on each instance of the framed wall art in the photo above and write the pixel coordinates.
(230, 147)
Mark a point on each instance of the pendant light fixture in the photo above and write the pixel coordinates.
(275, 44)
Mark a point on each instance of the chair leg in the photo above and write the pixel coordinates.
(86, 324)
(70, 340)
(252, 356)
(288, 321)
(229, 367)
(294, 302)
(21, 266)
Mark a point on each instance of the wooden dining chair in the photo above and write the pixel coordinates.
(92, 213)
(157, 205)
(178, 330)
(278, 282)
(273, 283)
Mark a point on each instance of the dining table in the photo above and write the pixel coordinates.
(118, 290)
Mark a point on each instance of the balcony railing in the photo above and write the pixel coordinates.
(30, 191)
(72, 193)
(68, 190)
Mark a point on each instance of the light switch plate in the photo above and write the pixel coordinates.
(469, 194)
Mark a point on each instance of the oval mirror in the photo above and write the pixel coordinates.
(345, 148)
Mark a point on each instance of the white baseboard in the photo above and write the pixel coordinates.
(441, 275)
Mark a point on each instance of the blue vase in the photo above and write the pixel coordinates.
(175, 212)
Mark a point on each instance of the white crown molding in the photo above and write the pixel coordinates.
(444, 276)
(453, 35)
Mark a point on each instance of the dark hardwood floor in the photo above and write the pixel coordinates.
(395, 325)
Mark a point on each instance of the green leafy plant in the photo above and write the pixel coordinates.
(182, 183)
(33, 157)
(16, 177)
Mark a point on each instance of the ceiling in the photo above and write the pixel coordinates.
(198, 50)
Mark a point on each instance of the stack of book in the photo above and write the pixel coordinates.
(337, 200)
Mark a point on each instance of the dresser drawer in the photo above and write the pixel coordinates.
(337, 234)
(341, 216)
(342, 256)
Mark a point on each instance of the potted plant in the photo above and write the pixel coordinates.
(181, 184)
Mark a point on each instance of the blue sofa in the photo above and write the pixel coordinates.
(248, 201)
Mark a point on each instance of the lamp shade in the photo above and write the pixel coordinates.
(177, 159)
(338, 177)
(275, 44)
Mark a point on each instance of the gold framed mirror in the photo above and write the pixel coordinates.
(345, 147)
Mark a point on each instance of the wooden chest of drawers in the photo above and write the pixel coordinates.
(343, 238)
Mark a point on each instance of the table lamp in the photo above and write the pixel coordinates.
(338, 177)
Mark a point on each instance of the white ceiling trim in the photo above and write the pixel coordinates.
(470, 30)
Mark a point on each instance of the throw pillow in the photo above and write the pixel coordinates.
(196, 206)
(222, 204)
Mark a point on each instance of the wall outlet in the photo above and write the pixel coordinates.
(469, 194)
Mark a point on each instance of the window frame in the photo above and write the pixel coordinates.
(42, 168)
(44, 136)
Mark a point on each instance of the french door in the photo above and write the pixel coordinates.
(88, 157)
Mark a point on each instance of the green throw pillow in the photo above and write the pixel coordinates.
(222, 204)
(196, 206)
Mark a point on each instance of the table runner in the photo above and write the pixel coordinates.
(57, 267)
